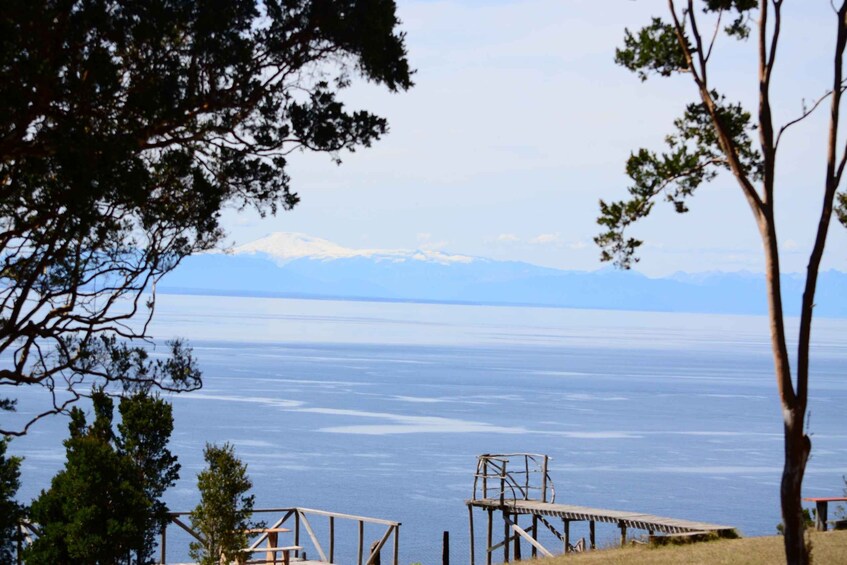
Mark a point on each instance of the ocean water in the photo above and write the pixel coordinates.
(380, 409)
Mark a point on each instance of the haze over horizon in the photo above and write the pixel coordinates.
(520, 122)
(284, 246)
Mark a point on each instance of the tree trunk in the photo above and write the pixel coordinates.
(797, 448)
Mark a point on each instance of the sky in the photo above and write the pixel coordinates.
(520, 122)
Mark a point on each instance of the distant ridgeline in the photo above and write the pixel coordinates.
(484, 281)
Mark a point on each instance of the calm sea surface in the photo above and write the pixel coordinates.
(380, 409)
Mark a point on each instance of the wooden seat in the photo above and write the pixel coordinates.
(271, 553)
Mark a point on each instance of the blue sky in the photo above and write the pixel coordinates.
(520, 121)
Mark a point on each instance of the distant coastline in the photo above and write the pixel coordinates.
(286, 265)
(505, 304)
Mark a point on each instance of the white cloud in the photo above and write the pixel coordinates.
(546, 239)
(576, 245)
(508, 238)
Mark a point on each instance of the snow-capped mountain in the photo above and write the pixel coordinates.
(298, 265)
(285, 246)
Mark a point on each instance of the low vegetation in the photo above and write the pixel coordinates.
(827, 547)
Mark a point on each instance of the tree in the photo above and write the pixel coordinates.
(145, 430)
(225, 510)
(127, 127)
(716, 135)
(105, 505)
(11, 511)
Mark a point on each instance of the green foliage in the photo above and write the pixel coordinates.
(841, 208)
(105, 506)
(127, 127)
(10, 511)
(808, 520)
(740, 26)
(225, 509)
(655, 49)
(695, 155)
(840, 510)
(145, 429)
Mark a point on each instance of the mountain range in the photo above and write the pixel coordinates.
(301, 266)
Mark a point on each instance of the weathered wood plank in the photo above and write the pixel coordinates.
(633, 520)
(537, 546)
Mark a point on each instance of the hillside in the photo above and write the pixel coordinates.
(296, 265)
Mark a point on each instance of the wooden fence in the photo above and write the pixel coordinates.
(302, 530)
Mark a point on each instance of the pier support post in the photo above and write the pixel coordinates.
(591, 534)
(566, 526)
(470, 523)
(517, 552)
(489, 537)
(534, 534)
(623, 533)
(505, 537)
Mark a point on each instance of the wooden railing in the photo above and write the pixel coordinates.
(301, 526)
(27, 531)
(513, 476)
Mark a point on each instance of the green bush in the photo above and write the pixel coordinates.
(225, 510)
(808, 518)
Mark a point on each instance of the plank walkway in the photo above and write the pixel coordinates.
(634, 520)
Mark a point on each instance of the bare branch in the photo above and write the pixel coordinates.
(806, 113)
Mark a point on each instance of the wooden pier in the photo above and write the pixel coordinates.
(518, 484)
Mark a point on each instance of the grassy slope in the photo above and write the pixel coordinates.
(829, 548)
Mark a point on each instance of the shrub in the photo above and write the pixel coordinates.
(224, 514)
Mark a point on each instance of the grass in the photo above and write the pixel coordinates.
(828, 548)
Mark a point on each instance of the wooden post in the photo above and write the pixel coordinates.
(485, 478)
(623, 533)
(361, 540)
(506, 531)
(163, 544)
(534, 535)
(526, 465)
(377, 559)
(820, 515)
(470, 524)
(396, 545)
(332, 539)
(273, 539)
(445, 549)
(591, 534)
(297, 531)
(544, 480)
(503, 484)
(489, 537)
(517, 552)
(566, 526)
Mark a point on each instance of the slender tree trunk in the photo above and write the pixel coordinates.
(797, 444)
(797, 447)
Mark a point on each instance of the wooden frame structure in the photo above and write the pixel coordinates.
(302, 528)
(517, 484)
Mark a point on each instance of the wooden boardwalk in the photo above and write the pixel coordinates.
(631, 520)
(518, 484)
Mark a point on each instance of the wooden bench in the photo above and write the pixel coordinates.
(821, 509)
(271, 553)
